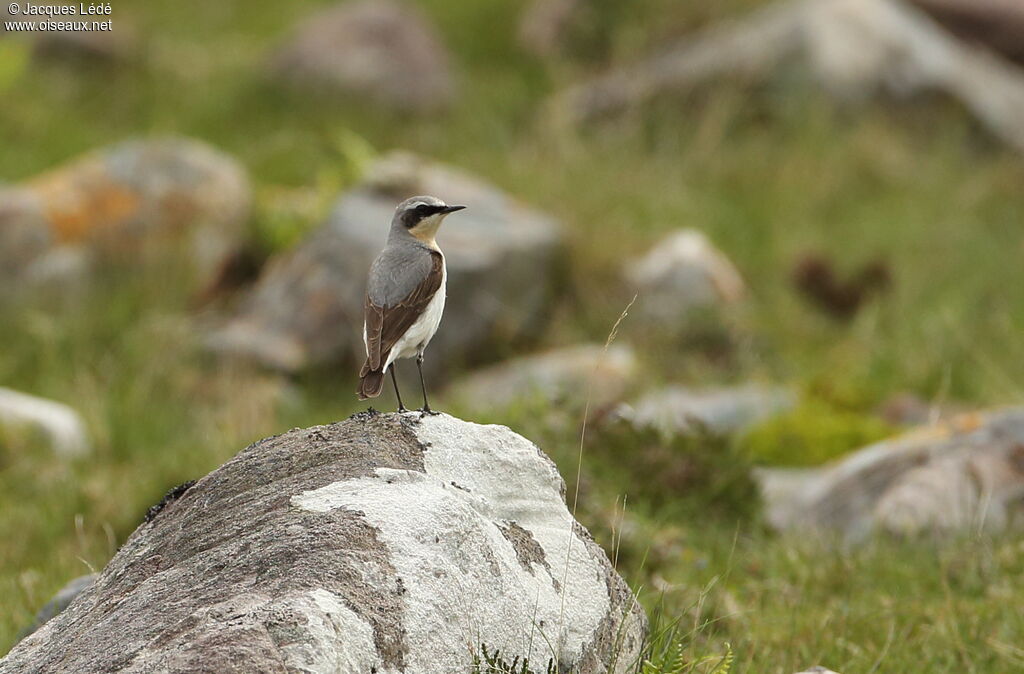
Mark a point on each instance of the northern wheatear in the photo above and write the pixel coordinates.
(404, 295)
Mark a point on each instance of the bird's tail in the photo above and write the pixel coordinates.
(371, 382)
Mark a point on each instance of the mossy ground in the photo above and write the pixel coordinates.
(768, 174)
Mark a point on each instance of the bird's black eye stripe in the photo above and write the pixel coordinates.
(424, 210)
(414, 215)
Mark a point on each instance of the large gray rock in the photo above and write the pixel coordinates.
(964, 475)
(676, 409)
(855, 48)
(682, 272)
(384, 543)
(125, 203)
(564, 377)
(502, 259)
(380, 49)
(61, 425)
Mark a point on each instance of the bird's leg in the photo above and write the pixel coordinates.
(401, 407)
(423, 387)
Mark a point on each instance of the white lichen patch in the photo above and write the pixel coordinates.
(518, 483)
(464, 584)
(328, 623)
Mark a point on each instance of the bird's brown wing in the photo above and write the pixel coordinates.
(385, 325)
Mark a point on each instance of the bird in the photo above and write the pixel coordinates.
(405, 295)
(815, 276)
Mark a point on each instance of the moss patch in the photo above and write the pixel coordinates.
(811, 434)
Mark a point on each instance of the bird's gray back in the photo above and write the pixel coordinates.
(397, 271)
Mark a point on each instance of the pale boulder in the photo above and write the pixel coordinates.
(681, 272)
(855, 49)
(381, 50)
(384, 543)
(677, 409)
(566, 377)
(962, 475)
(62, 426)
(125, 204)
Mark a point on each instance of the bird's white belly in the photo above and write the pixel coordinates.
(419, 334)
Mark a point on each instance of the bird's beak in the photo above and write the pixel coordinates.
(451, 209)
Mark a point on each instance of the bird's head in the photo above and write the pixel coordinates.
(421, 216)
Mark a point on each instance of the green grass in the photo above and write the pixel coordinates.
(767, 174)
(890, 607)
(811, 434)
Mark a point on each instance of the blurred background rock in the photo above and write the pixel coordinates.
(751, 272)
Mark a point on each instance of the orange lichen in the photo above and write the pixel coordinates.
(970, 421)
(83, 202)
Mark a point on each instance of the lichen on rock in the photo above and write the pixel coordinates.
(383, 543)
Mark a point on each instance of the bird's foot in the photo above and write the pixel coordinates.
(427, 412)
(402, 409)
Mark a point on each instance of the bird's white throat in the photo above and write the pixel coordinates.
(426, 229)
